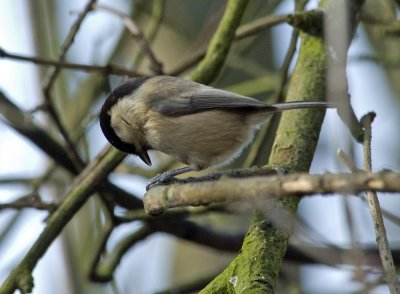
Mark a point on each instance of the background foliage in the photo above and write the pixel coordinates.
(328, 251)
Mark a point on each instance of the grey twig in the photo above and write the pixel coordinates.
(258, 25)
(286, 64)
(48, 82)
(376, 214)
(32, 200)
(347, 161)
(137, 34)
(110, 69)
(244, 31)
(52, 72)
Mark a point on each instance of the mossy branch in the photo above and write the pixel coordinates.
(84, 185)
(257, 266)
(220, 43)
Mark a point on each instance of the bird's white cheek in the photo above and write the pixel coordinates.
(124, 133)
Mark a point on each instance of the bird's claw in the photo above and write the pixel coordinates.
(168, 177)
(161, 179)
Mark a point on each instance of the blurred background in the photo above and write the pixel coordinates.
(177, 31)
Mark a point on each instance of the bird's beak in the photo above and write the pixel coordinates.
(145, 157)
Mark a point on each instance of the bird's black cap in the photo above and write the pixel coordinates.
(105, 119)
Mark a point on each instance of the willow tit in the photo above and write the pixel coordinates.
(197, 125)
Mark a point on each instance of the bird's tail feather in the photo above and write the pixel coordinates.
(302, 104)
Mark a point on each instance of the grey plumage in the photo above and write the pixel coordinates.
(197, 125)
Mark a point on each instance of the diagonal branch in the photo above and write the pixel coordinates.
(219, 46)
(83, 186)
(24, 124)
(52, 72)
(376, 213)
(257, 266)
(137, 34)
(48, 82)
(247, 30)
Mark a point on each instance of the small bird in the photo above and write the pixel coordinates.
(197, 125)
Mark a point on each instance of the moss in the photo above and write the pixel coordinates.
(257, 266)
(249, 270)
(220, 44)
(311, 22)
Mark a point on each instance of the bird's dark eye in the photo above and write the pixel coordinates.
(125, 121)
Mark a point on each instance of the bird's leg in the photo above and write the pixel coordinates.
(166, 176)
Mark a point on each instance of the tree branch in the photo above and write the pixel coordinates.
(24, 124)
(256, 189)
(137, 34)
(84, 185)
(48, 82)
(220, 43)
(247, 30)
(104, 270)
(257, 266)
(376, 213)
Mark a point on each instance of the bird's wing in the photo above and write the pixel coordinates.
(208, 99)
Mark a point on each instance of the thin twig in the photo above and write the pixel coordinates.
(9, 226)
(137, 34)
(353, 168)
(376, 214)
(111, 69)
(347, 161)
(52, 72)
(100, 249)
(103, 271)
(188, 64)
(254, 27)
(388, 215)
(16, 180)
(152, 27)
(265, 130)
(286, 65)
(358, 252)
(48, 82)
(141, 215)
(283, 78)
(23, 123)
(247, 30)
(299, 7)
(32, 200)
